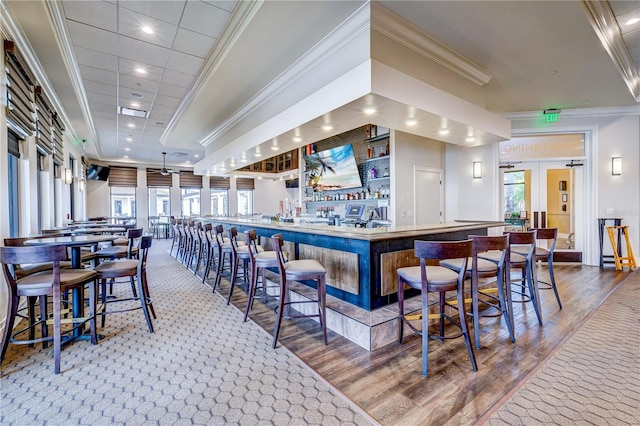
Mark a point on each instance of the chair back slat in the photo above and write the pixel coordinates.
(442, 249)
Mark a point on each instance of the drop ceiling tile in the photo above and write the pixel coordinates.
(138, 50)
(166, 11)
(98, 87)
(167, 101)
(176, 78)
(97, 107)
(187, 64)
(146, 88)
(101, 98)
(129, 67)
(204, 18)
(96, 59)
(98, 75)
(93, 38)
(193, 43)
(127, 92)
(131, 24)
(225, 5)
(173, 91)
(97, 14)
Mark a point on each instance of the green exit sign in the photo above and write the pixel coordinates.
(551, 118)
(551, 115)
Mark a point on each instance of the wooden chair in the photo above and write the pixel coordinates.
(259, 261)
(441, 280)
(136, 270)
(297, 270)
(43, 284)
(489, 260)
(239, 253)
(550, 237)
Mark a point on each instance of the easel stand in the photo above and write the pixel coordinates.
(620, 261)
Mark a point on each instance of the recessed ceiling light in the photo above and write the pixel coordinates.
(126, 156)
(443, 132)
(243, 159)
(470, 139)
(297, 139)
(258, 154)
(148, 30)
(327, 127)
(129, 139)
(259, 177)
(135, 104)
(141, 71)
(275, 147)
(369, 110)
(632, 21)
(411, 122)
(131, 125)
(127, 149)
(223, 167)
(197, 156)
(136, 95)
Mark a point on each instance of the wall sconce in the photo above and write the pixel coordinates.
(477, 169)
(81, 185)
(616, 166)
(68, 176)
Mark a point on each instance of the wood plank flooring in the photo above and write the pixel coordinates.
(388, 384)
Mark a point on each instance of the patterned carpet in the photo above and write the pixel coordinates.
(202, 365)
(594, 378)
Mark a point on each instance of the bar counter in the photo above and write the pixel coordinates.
(361, 263)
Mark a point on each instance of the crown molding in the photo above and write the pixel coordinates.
(240, 19)
(56, 16)
(578, 113)
(404, 32)
(338, 39)
(606, 28)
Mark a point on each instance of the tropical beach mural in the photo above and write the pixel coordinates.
(334, 168)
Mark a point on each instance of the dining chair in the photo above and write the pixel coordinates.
(50, 283)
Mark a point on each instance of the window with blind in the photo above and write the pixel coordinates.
(44, 113)
(190, 201)
(156, 179)
(245, 183)
(19, 90)
(14, 184)
(189, 180)
(123, 201)
(123, 176)
(159, 202)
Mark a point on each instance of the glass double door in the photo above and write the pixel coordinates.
(546, 195)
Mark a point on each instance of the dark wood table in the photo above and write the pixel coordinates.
(75, 243)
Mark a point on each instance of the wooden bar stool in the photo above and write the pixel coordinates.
(489, 260)
(239, 253)
(441, 280)
(550, 236)
(259, 260)
(43, 284)
(305, 269)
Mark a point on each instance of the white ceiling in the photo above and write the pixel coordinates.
(540, 54)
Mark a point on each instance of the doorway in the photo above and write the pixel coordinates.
(544, 194)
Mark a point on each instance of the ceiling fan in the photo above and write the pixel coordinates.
(164, 171)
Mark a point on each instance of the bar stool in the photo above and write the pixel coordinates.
(239, 253)
(488, 267)
(224, 250)
(259, 261)
(209, 248)
(305, 269)
(550, 236)
(523, 260)
(441, 280)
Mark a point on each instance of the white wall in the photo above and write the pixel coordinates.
(409, 151)
(268, 194)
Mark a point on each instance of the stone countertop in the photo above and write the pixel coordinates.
(367, 234)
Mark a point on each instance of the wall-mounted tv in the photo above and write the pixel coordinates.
(332, 169)
(97, 172)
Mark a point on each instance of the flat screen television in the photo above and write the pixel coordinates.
(97, 172)
(332, 169)
(354, 211)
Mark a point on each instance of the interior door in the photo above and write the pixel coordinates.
(427, 196)
(550, 194)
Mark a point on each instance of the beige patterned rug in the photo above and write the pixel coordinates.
(203, 365)
(594, 378)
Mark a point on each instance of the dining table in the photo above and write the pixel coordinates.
(75, 243)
